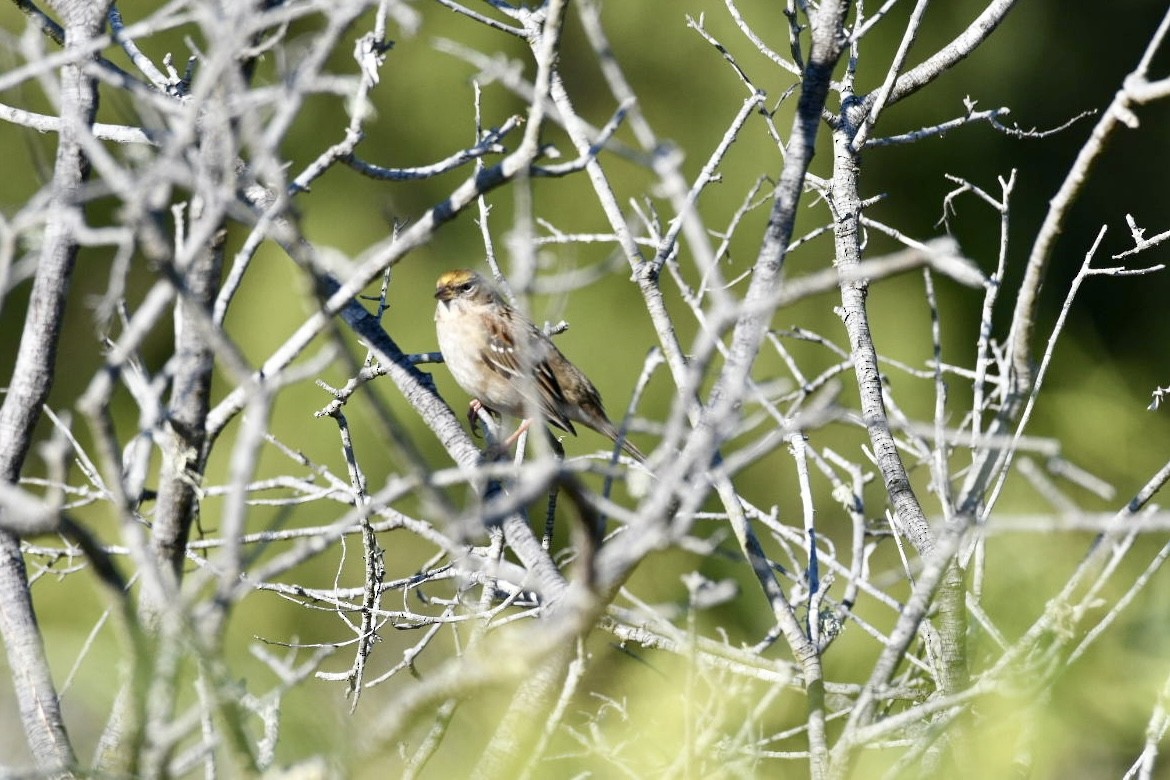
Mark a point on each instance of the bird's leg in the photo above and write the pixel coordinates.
(498, 450)
(516, 434)
(475, 410)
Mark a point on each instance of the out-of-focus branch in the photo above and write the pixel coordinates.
(187, 411)
(47, 24)
(43, 123)
(716, 421)
(1023, 318)
(32, 379)
(943, 576)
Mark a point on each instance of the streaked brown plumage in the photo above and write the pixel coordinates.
(508, 364)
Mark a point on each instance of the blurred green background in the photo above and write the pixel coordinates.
(1048, 62)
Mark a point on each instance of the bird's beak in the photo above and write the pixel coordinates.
(443, 294)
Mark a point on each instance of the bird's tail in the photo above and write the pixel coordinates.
(615, 436)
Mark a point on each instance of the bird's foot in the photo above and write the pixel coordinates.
(475, 411)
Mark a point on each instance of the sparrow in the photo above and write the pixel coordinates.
(508, 365)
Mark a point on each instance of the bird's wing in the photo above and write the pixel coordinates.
(503, 357)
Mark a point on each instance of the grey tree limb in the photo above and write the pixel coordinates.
(32, 379)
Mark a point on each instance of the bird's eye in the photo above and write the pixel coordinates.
(466, 287)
